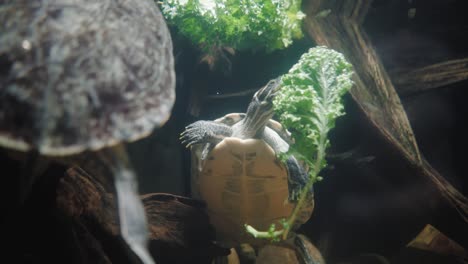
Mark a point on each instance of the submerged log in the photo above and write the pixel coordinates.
(432, 247)
(431, 239)
(179, 227)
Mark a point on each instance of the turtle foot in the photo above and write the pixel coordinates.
(204, 132)
(306, 251)
(297, 250)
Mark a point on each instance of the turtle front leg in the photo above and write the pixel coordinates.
(297, 178)
(204, 132)
(297, 181)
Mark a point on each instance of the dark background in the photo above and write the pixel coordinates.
(371, 200)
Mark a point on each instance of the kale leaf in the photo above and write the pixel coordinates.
(310, 101)
(236, 24)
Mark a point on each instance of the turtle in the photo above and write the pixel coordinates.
(85, 75)
(237, 172)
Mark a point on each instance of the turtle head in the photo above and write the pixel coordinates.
(264, 96)
(260, 109)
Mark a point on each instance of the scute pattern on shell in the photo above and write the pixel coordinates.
(82, 74)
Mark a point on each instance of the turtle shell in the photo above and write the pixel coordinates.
(243, 182)
(82, 74)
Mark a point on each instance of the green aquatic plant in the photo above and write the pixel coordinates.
(214, 25)
(308, 103)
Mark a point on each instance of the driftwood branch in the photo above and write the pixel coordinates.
(430, 77)
(373, 91)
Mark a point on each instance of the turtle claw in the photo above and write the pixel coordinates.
(187, 141)
(294, 194)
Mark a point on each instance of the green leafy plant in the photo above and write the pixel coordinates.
(236, 24)
(308, 104)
